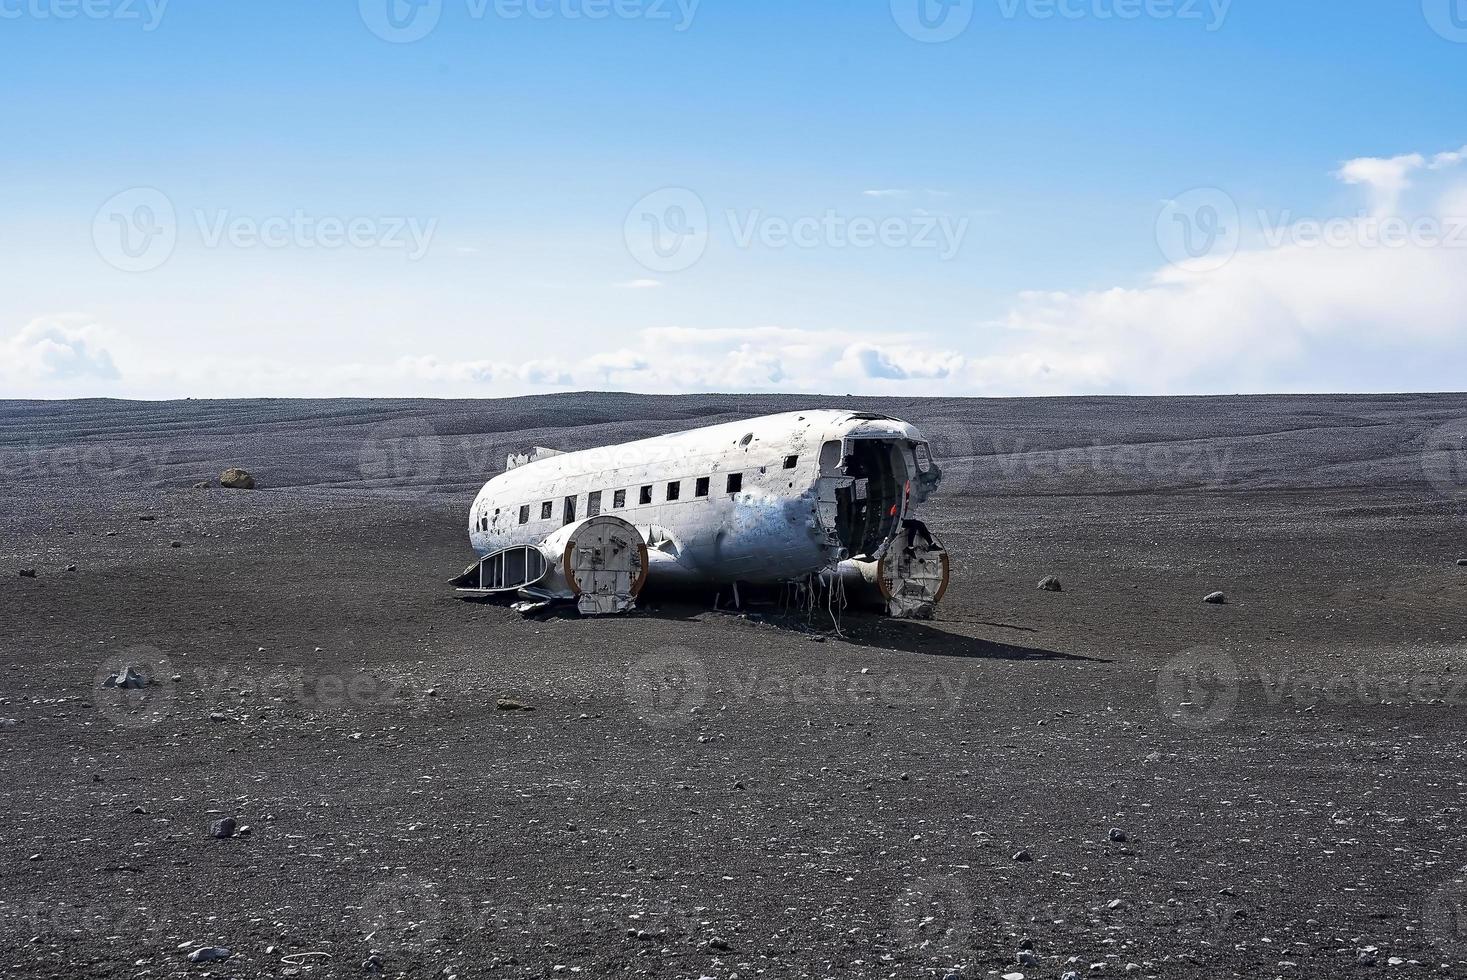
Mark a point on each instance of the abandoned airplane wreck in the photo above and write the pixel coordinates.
(823, 499)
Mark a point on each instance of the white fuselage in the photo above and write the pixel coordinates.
(765, 500)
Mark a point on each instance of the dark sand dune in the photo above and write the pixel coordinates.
(1287, 768)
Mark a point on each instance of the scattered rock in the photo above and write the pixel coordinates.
(9, 722)
(140, 809)
(1027, 958)
(1133, 967)
(1013, 976)
(1069, 975)
(236, 479)
(1216, 599)
(71, 568)
(1050, 584)
(175, 544)
(27, 573)
(1462, 562)
(510, 704)
(722, 945)
(1023, 857)
(1114, 904)
(209, 954)
(128, 678)
(147, 517)
(203, 485)
(223, 829)
(1118, 836)
(372, 964)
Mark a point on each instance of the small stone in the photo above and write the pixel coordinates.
(27, 573)
(722, 945)
(510, 704)
(1026, 943)
(1114, 904)
(432, 692)
(209, 954)
(175, 544)
(236, 479)
(1462, 562)
(1097, 967)
(128, 679)
(223, 829)
(1013, 976)
(1133, 967)
(1216, 599)
(1050, 584)
(1026, 958)
(372, 964)
(203, 485)
(34, 857)
(1069, 975)
(71, 568)
(216, 717)
(1023, 857)
(1118, 836)
(140, 809)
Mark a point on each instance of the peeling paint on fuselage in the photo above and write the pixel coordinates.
(770, 530)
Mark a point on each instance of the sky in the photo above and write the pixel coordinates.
(480, 198)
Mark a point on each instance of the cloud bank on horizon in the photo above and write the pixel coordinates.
(1384, 284)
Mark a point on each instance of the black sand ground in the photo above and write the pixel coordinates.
(698, 794)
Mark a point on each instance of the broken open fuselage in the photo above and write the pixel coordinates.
(768, 500)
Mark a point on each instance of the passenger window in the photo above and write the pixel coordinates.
(674, 490)
(547, 509)
(593, 504)
(645, 497)
(735, 482)
(790, 462)
(702, 489)
(570, 510)
(525, 514)
(619, 500)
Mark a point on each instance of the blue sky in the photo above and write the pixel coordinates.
(500, 169)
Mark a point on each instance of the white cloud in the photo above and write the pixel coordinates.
(640, 284)
(56, 350)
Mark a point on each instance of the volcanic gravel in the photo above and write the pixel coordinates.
(702, 793)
